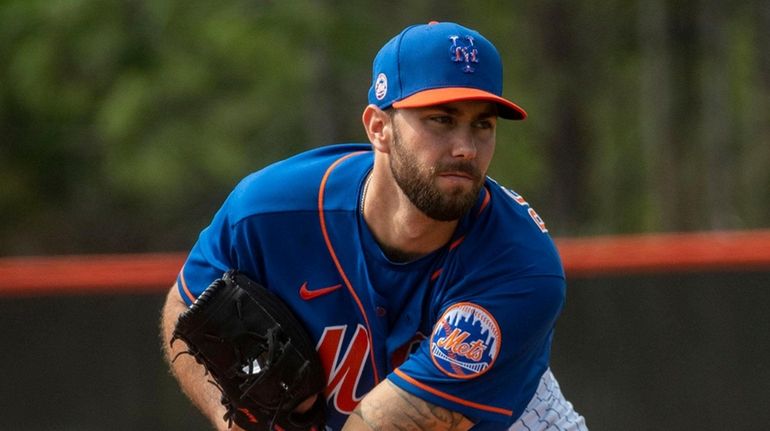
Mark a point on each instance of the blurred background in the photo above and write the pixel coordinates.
(125, 123)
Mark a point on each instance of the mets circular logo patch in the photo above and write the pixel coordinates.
(381, 86)
(465, 341)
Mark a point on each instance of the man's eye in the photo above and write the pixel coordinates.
(484, 124)
(442, 119)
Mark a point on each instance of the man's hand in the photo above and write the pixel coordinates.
(257, 353)
(388, 407)
(190, 374)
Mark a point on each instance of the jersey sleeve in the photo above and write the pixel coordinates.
(209, 258)
(245, 226)
(230, 241)
(487, 352)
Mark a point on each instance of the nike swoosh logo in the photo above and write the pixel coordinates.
(308, 294)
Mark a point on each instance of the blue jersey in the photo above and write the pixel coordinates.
(467, 327)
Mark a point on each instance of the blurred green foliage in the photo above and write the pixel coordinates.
(124, 123)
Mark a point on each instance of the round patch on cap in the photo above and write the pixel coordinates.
(465, 341)
(381, 86)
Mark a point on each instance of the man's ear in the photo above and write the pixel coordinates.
(379, 128)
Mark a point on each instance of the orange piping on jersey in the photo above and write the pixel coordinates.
(456, 243)
(485, 202)
(436, 273)
(186, 290)
(341, 271)
(452, 398)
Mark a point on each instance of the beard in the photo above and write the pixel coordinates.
(419, 184)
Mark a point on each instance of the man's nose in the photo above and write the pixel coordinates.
(464, 143)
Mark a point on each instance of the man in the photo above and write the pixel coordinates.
(430, 290)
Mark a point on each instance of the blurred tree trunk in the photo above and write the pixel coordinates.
(320, 106)
(716, 137)
(669, 112)
(566, 144)
(655, 112)
(321, 111)
(761, 161)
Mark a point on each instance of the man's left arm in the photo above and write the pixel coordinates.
(388, 407)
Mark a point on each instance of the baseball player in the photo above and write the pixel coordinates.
(430, 290)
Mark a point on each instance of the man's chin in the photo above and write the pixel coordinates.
(454, 210)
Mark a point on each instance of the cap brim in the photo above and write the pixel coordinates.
(438, 96)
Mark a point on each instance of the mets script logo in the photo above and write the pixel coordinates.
(465, 341)
(463, 51)
(345, 362)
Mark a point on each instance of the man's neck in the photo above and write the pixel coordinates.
(403, 232)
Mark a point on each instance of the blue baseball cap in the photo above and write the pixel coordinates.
(436, 63)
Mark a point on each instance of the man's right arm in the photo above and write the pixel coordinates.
(191, 375)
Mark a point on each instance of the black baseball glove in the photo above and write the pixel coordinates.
(258, 353)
